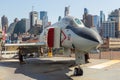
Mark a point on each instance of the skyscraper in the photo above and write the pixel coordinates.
(59, 18)
(22, 26)
(66, 12)
(85, 11)
(102, 17)
(27, 24)
(96, 22)
(42, 14)
(4, 22)
(109, 29)
(44, 18)
(87, 18)
(12, 26)
(33, 18)
(115, 16)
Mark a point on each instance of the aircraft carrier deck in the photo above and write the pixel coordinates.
(58, 68)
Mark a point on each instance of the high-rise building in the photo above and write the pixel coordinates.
(96, 22)
(44, 18)
(109, 29)
(27, 24)
(33, 18)
(85, 11)
(66, 12)
(12, 26)
(43, 14)
(88, 19)
(115, 16)
(59, 18)
(4, 22)
(22, 26)
(16, 20)
(102, 17)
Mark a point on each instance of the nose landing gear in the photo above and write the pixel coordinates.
(78, 71)
(80, 59)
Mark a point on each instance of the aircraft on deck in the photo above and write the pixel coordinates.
(71, 33)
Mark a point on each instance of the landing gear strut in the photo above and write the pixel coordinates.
(20, 55)
(21, 59)
(78, 71)
(80, 59)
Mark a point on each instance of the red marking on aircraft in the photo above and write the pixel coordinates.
(64, 36)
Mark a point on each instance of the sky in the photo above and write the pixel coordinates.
(21, 8)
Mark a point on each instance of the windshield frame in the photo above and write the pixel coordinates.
(77, 21)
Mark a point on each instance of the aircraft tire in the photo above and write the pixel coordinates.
(78, 72)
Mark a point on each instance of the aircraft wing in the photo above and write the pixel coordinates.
(26, 44)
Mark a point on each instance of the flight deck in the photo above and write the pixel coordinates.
(59, 68)
(99, 70)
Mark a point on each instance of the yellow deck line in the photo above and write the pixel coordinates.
(106, 64)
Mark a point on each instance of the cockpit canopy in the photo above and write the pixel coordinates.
(72, 21)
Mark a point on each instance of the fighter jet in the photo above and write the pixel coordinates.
(71, 33)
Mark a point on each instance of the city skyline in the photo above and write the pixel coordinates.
(22, 8)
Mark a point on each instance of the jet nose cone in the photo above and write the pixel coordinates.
(87, 34)
(97, 38)
(91, 35)
(100, 41)
(94, 38)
